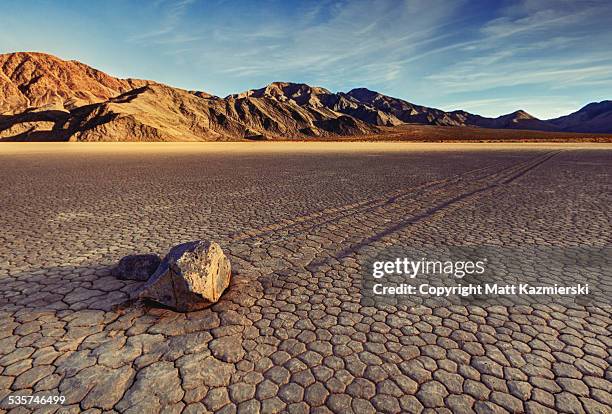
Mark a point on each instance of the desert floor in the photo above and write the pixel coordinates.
(292, 334)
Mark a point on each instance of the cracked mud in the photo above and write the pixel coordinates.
(290, 334)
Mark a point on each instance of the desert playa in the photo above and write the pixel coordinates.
(291, 333)
(286, 147)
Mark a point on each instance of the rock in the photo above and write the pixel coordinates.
(192, 276)
(137, 267)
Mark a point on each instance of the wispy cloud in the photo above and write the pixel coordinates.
(535, 43)
(167, 30)
(356, 41)
(537, 71)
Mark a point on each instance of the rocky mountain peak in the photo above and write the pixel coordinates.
(33, 80)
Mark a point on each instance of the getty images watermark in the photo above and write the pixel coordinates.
(486, 274)
(458, 269)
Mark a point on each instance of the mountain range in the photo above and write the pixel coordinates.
(46, 98)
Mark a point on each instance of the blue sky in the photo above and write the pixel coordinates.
(546, 57)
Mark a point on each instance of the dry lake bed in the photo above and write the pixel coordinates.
(292, 333)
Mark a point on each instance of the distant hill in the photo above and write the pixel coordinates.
(594, 117)
(46, 98)
(407, 112)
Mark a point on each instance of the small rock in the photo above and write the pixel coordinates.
(137, 267)
(192, 276)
